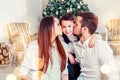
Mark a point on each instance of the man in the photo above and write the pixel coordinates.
(93, 61)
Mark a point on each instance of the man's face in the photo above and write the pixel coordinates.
(77, 26)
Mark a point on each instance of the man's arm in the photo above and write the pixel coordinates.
(105, 56)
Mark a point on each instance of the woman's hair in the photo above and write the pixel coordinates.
(45, 43)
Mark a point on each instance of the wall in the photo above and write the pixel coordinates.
(19, 11)
(10, 11)
(105, 9)
(33, 15)
(45, 2)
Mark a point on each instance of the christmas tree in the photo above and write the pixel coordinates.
(60, 7)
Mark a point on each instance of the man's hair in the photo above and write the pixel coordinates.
(90, 24)
(90, 20)
(89, 15)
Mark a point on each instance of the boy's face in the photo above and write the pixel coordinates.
(67, 27)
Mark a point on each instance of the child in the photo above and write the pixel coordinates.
(67, 22)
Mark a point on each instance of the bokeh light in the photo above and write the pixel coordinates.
(105, 69)
(11, 77)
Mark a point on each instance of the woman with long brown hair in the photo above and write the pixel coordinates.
(47, 50)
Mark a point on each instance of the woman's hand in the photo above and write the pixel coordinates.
(93, 40)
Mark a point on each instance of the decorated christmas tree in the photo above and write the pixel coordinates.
(60, 7)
